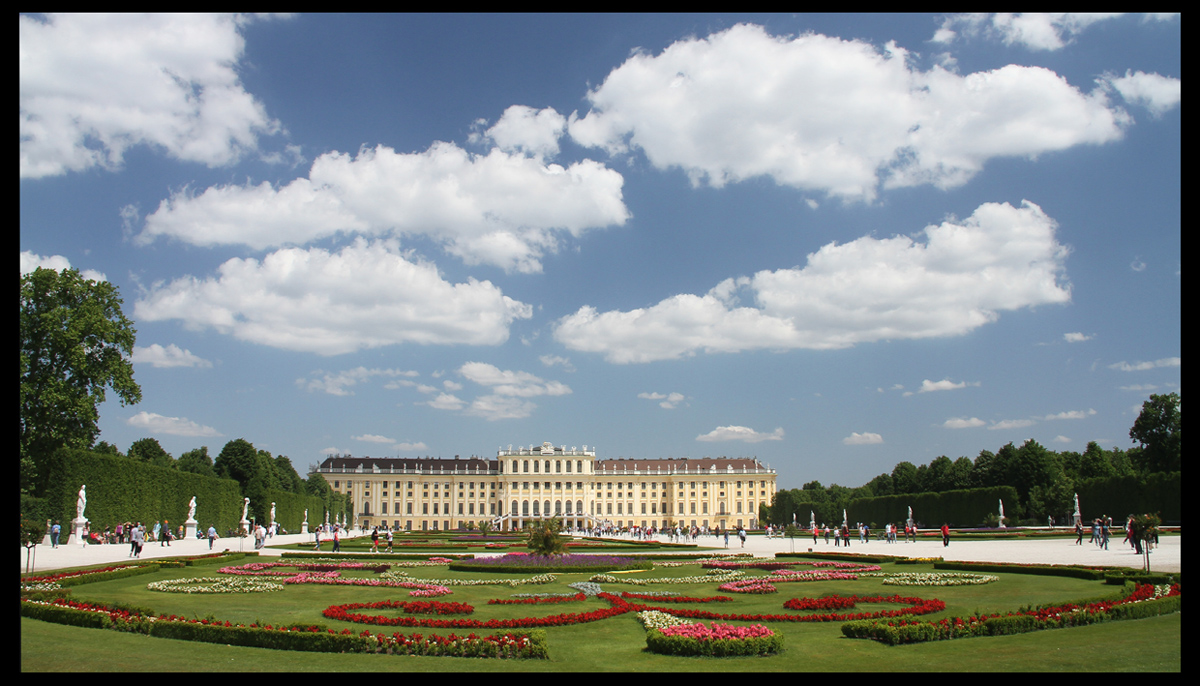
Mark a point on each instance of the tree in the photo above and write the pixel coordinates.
(904, 478)
(149, 450)
(881, 485)
(1094, 462)
(1158, 429)
(75, 344)
(286, 473)
(961, 474)
(197, 462)
(937, 478)
(544, 538)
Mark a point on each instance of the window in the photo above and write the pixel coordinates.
(409, 509)
(526, 463)
(514, 467)
(547, 466)
(693, 508)
(435, 509)
(535, 508)
(579, 466)
(383, 508)
(425, 508)
(558, 466)
(535, 466)
(460, 508)
(568, 466)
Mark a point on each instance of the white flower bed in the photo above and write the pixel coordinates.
(210, 584)
(713, 576)
(537, 579)
(933, 578)
(653, 619)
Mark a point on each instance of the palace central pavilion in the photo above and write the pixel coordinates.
(425, 494)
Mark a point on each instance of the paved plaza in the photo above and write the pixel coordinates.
(1165, 558)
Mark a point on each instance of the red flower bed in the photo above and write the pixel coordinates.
(917, 606)
(829, 603)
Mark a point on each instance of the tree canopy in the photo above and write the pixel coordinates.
(75, 344)
(1158, 430)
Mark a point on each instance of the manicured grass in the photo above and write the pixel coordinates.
(614, 644)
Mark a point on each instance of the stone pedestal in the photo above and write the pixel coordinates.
(78, 526)
(245, 524)
(304, 528)
(47, 540)
(189, 529)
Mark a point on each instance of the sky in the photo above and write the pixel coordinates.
(831, 242)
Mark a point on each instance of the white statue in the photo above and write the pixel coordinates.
(192, 510)
(272, 513)
(245, 508)
(306, 515)
(81, 502)
(1002, 514)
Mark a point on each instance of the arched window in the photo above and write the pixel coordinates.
(546, 508)
(547, 466)
(514, 467)
(525, 507)
(535, 508)
(527, 465)
(579, 506)
(557, 507)
(568, 502)
(535, 466)
(722, 508)
(514, 508)
(568, 466)
(558, 466)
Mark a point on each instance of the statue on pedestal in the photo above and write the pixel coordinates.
(81, 502)
(192, 510)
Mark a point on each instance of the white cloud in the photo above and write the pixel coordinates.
(963, 423)
(170, 356)
(1138, 265)
(740, 433)
(452, 385)
(94, 85)
(1061, 439)
(1012, 424)
(30, 261)
(411, 447)
(174, 426)
(373, 438)
(1155, 92)
(836, 116)
(1076, 337)
(367, 295)
(338, 383)
(556, 360)
(1071, 414)
(865, 438)
(669, 401)
(999, 258)
(526, 130)
(1034, 31)
(495, 407)
(1140, 388)
(501, 209)
(445, 401)
(928, 386)
(1143, 366)
(510, 383)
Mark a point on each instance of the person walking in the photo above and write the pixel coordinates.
(1078, 533)
(945, 535)
(846, 535)
(337, 539)
(212, 536)
(389, 540)
(55, 531)
(375, 540)
(139, 536)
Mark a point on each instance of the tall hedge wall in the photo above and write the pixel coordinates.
(120, 489)
(1119, 496)
(960, 508)
(289, 510)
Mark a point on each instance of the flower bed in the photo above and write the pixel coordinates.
(541, 600)
(552, 563)
(714, 640)
(209, 584)
(1143, 601)
(935, 579)
(677, 598)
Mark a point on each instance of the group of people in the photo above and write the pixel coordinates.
(375, 540)
(334, 531)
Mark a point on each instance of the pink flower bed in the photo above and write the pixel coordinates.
(713, 632)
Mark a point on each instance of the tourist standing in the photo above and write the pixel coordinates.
(846, 535)
(389, 540)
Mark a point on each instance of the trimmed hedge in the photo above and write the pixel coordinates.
(963, 507)
(1046, 570)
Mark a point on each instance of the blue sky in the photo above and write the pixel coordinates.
(834, 242)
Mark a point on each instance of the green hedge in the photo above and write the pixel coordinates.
(1119, 496)
(959, 508)
(1046, 570)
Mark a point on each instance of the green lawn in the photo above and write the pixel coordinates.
(615, 644)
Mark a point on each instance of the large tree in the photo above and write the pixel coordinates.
(1158, 430)
(75, 344)
(197, 462)
(150, 451)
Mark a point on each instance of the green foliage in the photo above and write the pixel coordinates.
(75, 343)
(149, 450)
(1158, 429)
(197, 462)
(545, 537)
(966, 507)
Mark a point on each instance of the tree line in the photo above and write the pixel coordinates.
(1045, 480)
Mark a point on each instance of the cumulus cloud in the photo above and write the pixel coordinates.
(525, 130)
(501, 209)
(30, 261)
(963, 423)
(865, 438)
(669, 401)
(511, 383)
(1040, 31)
(94, 85)
(928, 386)
(1155, 92)
(339, 383)
(830, 115)
(174, 426)
(507, 392)
(399, 446)
(373, 438)
(367, 295)
(740, 433)
(1143, 366)
(1076, 337)
(962, 276)
(170, 356)
(557, 360)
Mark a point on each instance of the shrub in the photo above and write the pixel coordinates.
(719, 640)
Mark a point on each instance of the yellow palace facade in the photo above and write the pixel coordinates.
(540, 482)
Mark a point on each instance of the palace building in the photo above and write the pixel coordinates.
(425, 494)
